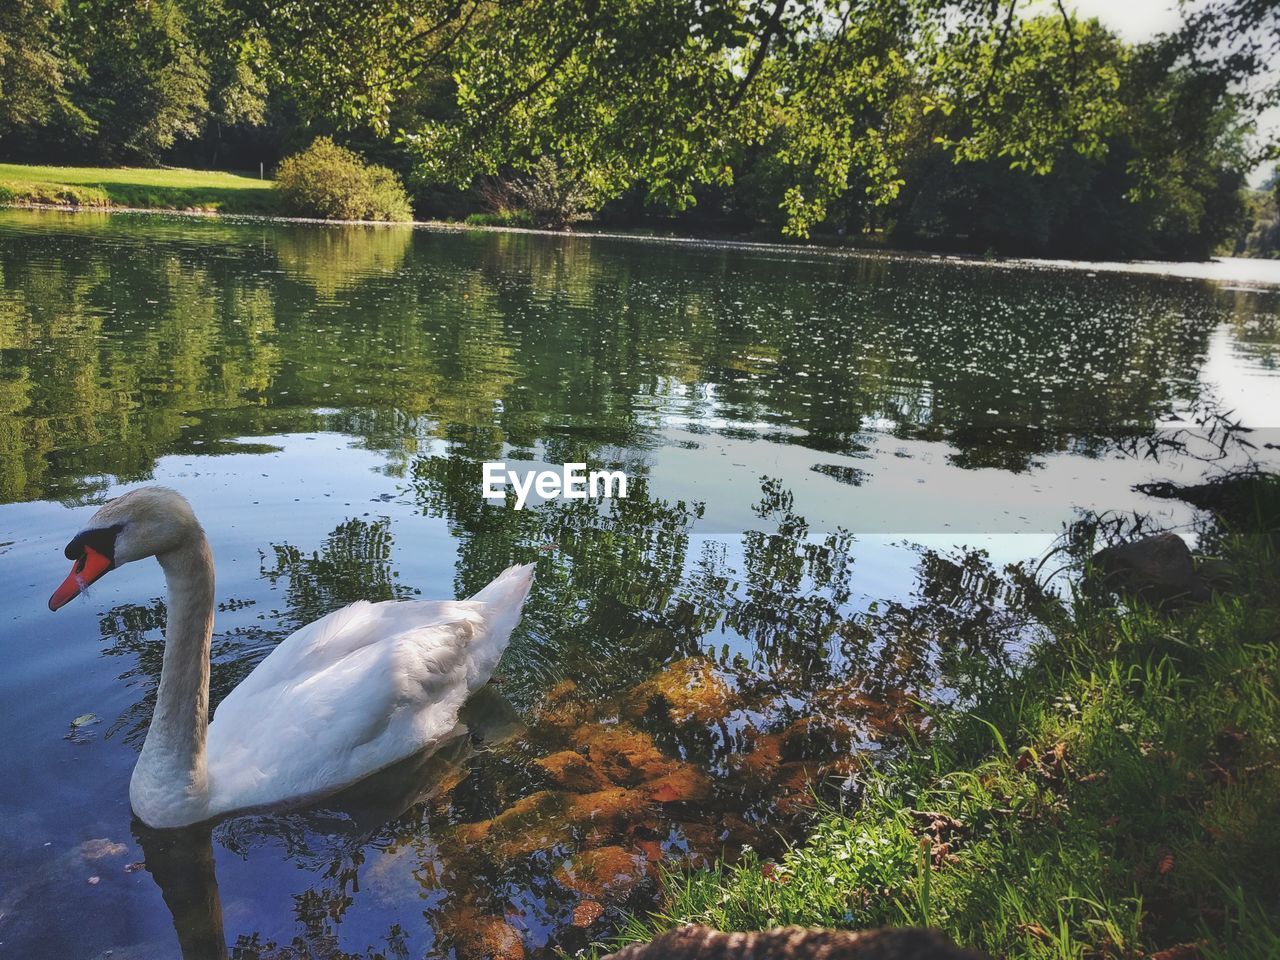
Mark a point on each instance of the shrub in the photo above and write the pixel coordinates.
(387, 197)
(332, 182)
(553, 196)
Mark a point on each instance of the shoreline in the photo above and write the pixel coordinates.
(1252, 273)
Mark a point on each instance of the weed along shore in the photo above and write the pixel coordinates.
(1113, 795)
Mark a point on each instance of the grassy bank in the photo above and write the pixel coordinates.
(1121, 797)
(165, 189)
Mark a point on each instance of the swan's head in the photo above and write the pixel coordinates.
(147, 522)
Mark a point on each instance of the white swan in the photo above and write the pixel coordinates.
(342, 698)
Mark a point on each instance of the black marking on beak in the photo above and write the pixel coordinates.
(102, 539)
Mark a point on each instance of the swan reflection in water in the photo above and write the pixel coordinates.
(181, 862)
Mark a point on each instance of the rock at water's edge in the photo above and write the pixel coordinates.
(797, 943)
(1159, 570)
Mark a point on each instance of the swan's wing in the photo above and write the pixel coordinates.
(291, 737)
(326, 641)
(356, 691)
(494, 612)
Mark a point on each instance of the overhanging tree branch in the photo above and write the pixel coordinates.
(762, 51)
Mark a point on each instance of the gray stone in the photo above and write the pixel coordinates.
(1159, 570)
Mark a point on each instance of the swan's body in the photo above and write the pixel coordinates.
(344, 697)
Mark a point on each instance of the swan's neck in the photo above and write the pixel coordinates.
(170, 785)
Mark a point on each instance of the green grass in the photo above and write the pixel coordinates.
(504, 218)
(1120, 797)
(169, 189)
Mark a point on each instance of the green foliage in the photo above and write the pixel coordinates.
(233, 57)
(386, 198)
(1260, 233)
(838, 87)
(124, 81)
(501, 218)
(34, 68)
(1018, 92)
(1235, 43)
(333, 183)
(1187, 138)
(843, 100)
(145, 83)
(807, 116)
(1163, 178)
(1117, 798)
(552, 196)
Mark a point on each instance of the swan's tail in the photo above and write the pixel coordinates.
(503, 599)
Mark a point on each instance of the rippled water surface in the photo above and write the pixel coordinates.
(832, 462)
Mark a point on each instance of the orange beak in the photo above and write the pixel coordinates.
(90, 567)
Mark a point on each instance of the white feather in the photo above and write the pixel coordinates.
(344, 697)
(355, 692)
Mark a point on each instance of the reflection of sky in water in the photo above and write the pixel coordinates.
(1243, 376)
(310, 485)
(324, 395)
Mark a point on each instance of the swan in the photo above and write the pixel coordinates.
(341, 698)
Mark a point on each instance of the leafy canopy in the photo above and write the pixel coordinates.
(669, 92)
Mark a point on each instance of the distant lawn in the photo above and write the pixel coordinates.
(165, 189)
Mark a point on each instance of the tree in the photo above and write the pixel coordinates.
(666, 93)
(237, 89)
(1235, 43)
(35, 71)
(1259, 234)
(113, 80)
(1165, 183)
(829, 105)
(332, 182)
(146, 84)
(1188, 139)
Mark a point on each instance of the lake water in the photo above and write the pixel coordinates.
(833, 459)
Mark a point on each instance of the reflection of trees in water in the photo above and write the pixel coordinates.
(385, 815)
(618, 584)
(332, 841)
(794, 587)
(620, 595)
(1255, 323)
(819, 685)
(626, 620)
(119, 346)
(607, 593)
(353, 563)
(122, 356)
(331, 259)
